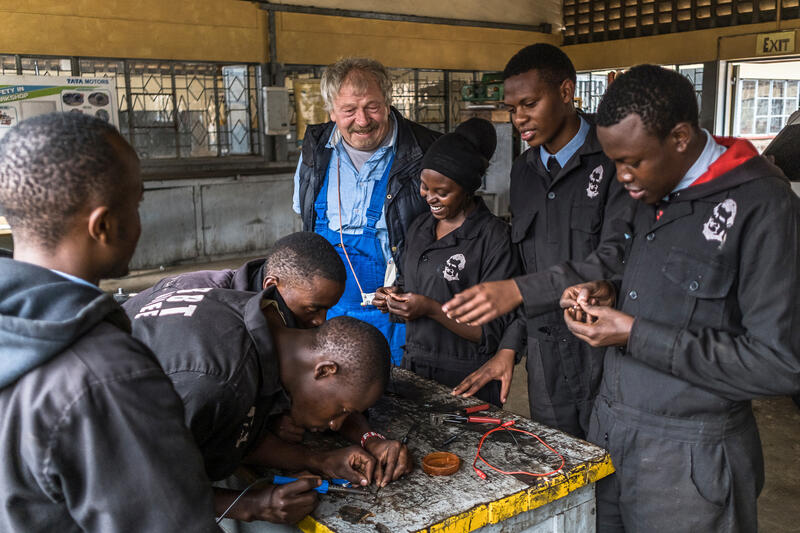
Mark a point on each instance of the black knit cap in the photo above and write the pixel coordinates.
(463, 155)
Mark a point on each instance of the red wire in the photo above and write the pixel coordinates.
(507, 428)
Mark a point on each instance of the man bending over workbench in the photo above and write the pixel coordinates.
(235, 363)
(307, 278)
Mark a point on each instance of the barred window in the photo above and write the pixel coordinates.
(420, 96)
(764, 106)
(170, 109)
(590, 88)
(592, 85)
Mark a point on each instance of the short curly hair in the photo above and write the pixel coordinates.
(553, 64)
(360, 349)
(661, 97)
(51, 166)
(303, 256)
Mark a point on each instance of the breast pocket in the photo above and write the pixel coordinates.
(585, 223)
(703, 283)
(522, 237)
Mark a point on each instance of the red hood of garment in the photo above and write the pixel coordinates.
(738, 151)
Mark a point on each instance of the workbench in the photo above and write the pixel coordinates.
(463, 502)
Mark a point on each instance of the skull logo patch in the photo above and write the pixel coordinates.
(722, 218)
(453, 266)
(594, 182)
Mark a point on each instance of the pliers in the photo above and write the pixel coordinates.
(458, 418)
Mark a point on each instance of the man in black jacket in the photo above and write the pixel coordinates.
(303, 267)
(92, 436)
(708, 316)
(564, 201)
(357, 184)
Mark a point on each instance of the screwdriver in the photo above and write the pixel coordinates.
(334, 485)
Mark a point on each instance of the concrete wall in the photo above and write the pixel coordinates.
(320, 40)
(202, 219)
(203, 30)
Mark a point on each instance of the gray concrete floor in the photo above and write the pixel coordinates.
(778, 420)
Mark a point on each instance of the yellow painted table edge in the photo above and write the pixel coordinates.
(504, 508)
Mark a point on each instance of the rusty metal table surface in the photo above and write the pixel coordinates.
(461, 502)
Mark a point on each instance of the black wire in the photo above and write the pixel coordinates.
(250, 486)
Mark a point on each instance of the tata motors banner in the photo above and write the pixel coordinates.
(23, 97)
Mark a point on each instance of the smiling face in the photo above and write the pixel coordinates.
(648, 167)
(539, 108)
(361, 113)
(446, 198)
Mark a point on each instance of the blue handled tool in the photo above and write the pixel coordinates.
(334, 485)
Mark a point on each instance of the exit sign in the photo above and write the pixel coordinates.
(781, 42)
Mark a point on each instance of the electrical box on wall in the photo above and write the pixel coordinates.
(276, 110)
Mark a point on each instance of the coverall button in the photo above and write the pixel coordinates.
(633, 295)
(388, 196)
(394, 248)
(693, 286)
(651, 236)
(551, 195)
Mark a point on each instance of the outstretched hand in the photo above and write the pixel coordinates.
(499, 367)
(484, 302)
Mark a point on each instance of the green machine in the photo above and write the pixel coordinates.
(489, 89)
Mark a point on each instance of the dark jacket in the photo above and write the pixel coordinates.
(584, 211)
(92, 435)
(216, 348)
(404, 202)
(480, 250)
(248, 277)
(714, 288)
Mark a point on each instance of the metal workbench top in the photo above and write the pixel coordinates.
(461, 502)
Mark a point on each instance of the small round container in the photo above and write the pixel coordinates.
(441, 463)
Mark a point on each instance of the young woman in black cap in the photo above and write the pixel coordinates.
(458, 244)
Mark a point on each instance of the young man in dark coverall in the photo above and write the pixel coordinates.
(563, 200)
(303, 266)
(92, 437)
(235, 364)
(307, 277)
(706, 316)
